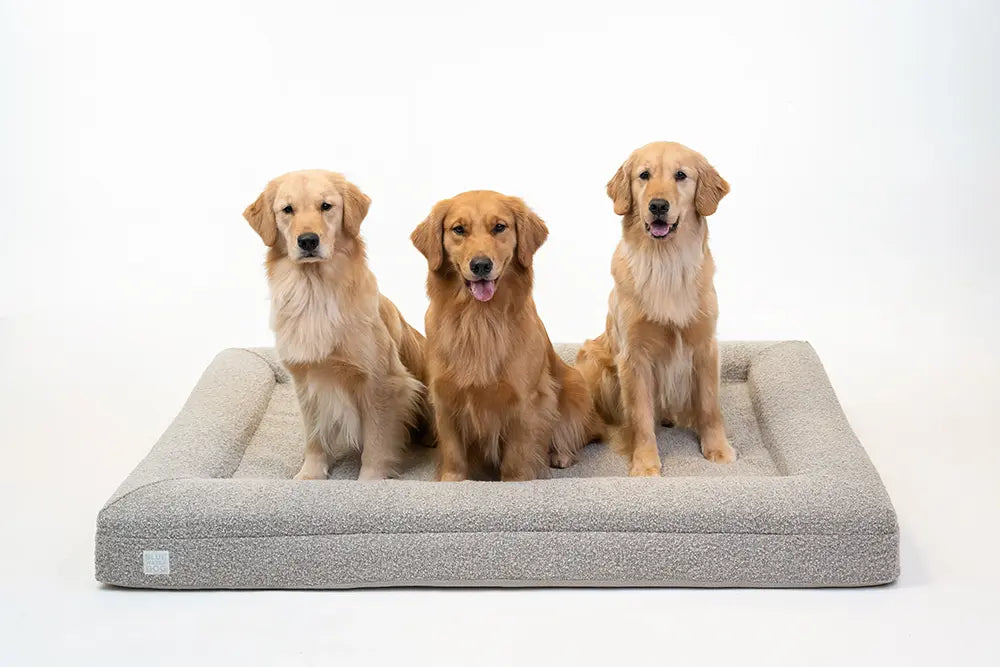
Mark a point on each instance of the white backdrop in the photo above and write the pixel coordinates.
(860, 139)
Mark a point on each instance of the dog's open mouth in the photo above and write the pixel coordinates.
(661, 229)
(482, 290)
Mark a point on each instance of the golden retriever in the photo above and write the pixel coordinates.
(503, 399)
(658, 359)
(357, 366)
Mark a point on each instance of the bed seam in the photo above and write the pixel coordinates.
(140, 488)
(267, 361)
(498, 532)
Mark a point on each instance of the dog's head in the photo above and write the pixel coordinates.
(663, 187)
(476, 237)
(307, 214)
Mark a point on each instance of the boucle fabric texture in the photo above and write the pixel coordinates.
(213, 505)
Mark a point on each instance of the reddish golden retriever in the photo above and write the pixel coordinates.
(504, 401)
(658, 359)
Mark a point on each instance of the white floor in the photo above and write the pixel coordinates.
(80, 406)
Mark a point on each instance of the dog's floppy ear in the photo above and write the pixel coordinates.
(356, 205)
(531, 230)
(620, 188)
(261, 217)
(711, 188)
(428, 237)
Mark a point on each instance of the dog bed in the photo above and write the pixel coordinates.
(213, 505)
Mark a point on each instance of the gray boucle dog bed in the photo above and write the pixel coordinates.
(213, 505)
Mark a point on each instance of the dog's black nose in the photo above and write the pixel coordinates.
(308, 241)
(659, 206)
(481, 266)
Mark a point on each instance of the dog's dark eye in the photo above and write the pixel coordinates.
(680, 176)
(325, 206)
(459, 230)
(288, 209)
(499, 227)
(644, 174)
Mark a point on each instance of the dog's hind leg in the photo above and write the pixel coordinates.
(385, 423)
(578, 422)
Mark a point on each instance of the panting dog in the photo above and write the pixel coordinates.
(504, 402)
(658, 358)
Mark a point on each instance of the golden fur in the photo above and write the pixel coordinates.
(503, 399)
(658, 358)
(358, 367)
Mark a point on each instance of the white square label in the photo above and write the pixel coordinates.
(156, 562)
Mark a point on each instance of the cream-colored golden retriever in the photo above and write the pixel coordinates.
(504, 402)
(658, 359)
(358, 367)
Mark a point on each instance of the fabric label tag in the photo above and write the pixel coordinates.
(156, 562)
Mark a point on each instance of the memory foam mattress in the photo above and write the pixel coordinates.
(213, 505)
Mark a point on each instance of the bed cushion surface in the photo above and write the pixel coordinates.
(213, 504)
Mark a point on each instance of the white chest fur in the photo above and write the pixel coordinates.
(667, 281)
(305, 316)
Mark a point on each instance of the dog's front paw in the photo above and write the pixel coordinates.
(718, 451)
(645, 464)
(557, 460)
(643, 470)
(373, 473)
(306, 474)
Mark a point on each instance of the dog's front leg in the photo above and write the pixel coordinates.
(711, 430)
(316, 464)
(524, 451)
(453, 460)
(639, 433)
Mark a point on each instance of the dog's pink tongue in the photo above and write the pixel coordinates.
(659, 229)
(483, 290)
